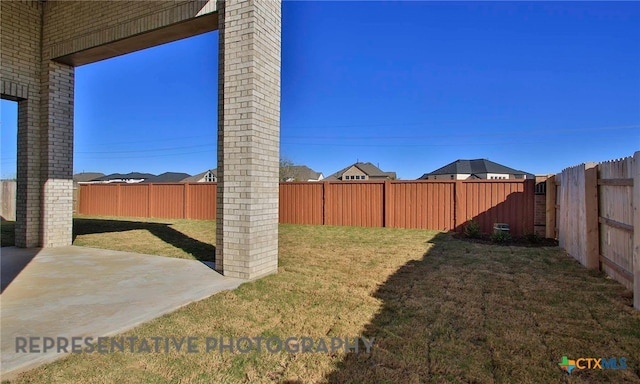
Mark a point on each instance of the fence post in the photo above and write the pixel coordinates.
(324, 203)
(185, 205)
(215, 203)
(150, 199)
(592, 234)
(76, 193)
(457, 205)
(80, 199)
(385, 203)
(550, 224)
(636, 230)
(119, 199)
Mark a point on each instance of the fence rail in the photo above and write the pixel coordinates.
(420, 204)
(594, 211)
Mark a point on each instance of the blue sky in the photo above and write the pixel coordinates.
(410, 86)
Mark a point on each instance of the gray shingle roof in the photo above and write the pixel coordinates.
(86, 176)
(167, 177)
(130, 175)
(476, 166)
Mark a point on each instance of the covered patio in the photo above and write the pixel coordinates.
(72, 291)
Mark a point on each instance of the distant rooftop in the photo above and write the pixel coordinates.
(476, 166)
(167, 177)
(86, 176)
(199, 176)
(368, 168)
(302, 173)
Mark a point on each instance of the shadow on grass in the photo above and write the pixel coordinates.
(401, 349)
(7, 232)
(200, 250)
(12, 264)
(480, 313)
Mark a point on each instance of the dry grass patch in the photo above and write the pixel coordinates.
(442, 310)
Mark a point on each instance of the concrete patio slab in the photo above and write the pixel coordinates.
(86, 292)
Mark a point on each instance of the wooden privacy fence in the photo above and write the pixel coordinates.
(8, 207)
(441, 205)
(166, 200)
(594, 212)
(420, 204)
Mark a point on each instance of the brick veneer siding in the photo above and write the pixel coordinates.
(40, 43)
(20, 30)
(248, 138)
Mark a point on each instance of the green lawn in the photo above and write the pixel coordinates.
(441, 310)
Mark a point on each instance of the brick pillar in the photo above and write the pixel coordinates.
(44, 207)
(57, 154)
(248, 137)
(27, 232)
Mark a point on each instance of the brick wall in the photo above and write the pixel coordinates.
(20, 62)
(33, 33)
(41, 44)
(540, 214)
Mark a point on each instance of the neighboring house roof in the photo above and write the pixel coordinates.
(303, 173)
(167, 177)
(476, 166)
(199, 176)
(391, 175)
(120, 176)
(86, 176)
(367, 168)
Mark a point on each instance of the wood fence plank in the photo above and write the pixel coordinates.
(636, 233)
(591, 216)
(550, 229)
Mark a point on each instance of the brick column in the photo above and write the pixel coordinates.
(44, 92)
(57, 154)
(248, 137)
(27, 232)
(21, 57)
(44, 207)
